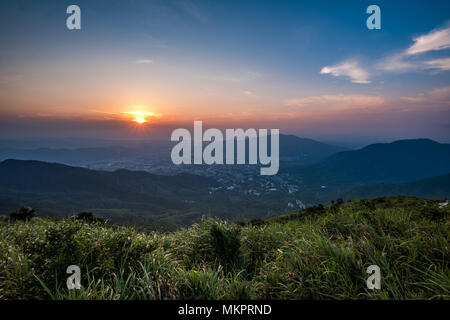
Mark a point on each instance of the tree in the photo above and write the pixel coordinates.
(23, 214)
(88, 217)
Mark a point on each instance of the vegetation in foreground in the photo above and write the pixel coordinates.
(318, 253)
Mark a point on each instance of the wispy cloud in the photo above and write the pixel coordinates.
(437, 96)
(144, 61)
(337, 102)
(396, 63)
(401, 63)
(413, 58)
(349, 105)
(349, 69)
(435, 40)
(440, 64)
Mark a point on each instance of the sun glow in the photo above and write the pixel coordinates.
(140, 117)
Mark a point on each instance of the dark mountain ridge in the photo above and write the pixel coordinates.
(399, 161)
(292, 148)
(36, 176)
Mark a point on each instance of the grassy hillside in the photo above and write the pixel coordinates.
(318, 253)
(430, 188)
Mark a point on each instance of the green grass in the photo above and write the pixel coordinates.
(319, 253)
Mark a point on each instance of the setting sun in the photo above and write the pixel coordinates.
(141, 117)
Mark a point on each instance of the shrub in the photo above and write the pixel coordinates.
(88, 217)
(432, 212)
(23, 214)
(226, 246)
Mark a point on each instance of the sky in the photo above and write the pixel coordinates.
(310, 68)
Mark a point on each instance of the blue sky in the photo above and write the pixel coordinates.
(303, 66)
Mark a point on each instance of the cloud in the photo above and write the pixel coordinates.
(402, 63)
(437, 96)
(333, 107)
(440, 64)
(396, 63)
(349, 69)
(338, 102)
(412, 58)
(144, 61)
(434, 40)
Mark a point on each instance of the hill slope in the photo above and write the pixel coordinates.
(431, 188)
(321, 253)
(37, 176)
(126, 196)
(400, 161)
(295, 148)
(52, 188)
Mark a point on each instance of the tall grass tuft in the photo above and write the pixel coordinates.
(321, 253)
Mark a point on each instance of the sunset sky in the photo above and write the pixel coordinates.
(310, 68)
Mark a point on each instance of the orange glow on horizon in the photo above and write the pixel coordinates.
(140, 120)
(140, 117)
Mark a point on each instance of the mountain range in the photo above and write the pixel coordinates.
(291, 148)
(399, 161)
(407, 167)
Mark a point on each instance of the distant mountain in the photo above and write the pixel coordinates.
(437, 188)
(55, 189)
(68, 156)
(292, 148)
(295, 148)
(400, 161)
(379, 169)
(79, 156)
(36, 176)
